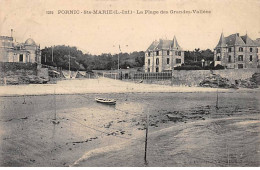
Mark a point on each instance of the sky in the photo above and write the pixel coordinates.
(103, 33)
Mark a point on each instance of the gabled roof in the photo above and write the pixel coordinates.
(248, 41)
(153, 45)
(164, 44)
(235, 39)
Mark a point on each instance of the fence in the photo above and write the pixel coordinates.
(153, 76)
(109, 75)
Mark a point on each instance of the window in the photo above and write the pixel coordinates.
(157, 69)
(240, 58)
(149, 54)
(179, 53)
(168, 61)
(229, 49)
(251, 58)
(148, 70)
(148, 61)
(240, 66)
(176, 53)
(240, 49)
(157, 53)
(218, 50)
(229, 59)
(251, 49)
(157, 61)
(218, 58)
(21, 58)
(256, 50)
(168, 52)
(178, 60)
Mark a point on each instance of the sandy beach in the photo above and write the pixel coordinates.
(86, 133)
(101, 85)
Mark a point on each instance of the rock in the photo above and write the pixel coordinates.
(252, 82)
(215, 81)
(256, 78)
(174, 117)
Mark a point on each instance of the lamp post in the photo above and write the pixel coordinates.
(69, 66)
(118, 58)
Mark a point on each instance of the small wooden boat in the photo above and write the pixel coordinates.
(105, 101)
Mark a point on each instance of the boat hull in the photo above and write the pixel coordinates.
(105, 101)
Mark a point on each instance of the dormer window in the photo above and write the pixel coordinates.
(218, 50)
(157, 53)
(240, 49)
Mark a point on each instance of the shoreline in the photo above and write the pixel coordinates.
(105, 86)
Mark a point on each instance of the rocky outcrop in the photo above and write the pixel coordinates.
(17, 79)
(215, 81)
(252, 82)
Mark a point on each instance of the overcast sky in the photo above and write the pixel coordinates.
(100, 33)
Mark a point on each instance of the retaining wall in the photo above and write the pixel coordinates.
(19, 73)
(194, 77)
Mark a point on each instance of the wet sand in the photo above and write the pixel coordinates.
(87, 133)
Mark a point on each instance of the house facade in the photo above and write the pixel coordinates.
(257, 42)
(236, 52)
(163, 56)
(11, 51)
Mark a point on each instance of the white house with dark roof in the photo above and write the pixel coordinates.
(163, 56)
(236, 52)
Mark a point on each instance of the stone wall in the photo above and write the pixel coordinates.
(236, 74)
(194, 77)
(189, 77)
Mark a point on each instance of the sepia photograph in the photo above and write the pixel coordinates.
(129, 83)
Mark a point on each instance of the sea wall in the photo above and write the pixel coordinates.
(194, 77)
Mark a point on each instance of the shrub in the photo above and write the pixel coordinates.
(188, 67)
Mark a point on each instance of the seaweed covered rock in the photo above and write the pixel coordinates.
(256, 78)
(23, 79)
(252, 82)
(215, 80)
